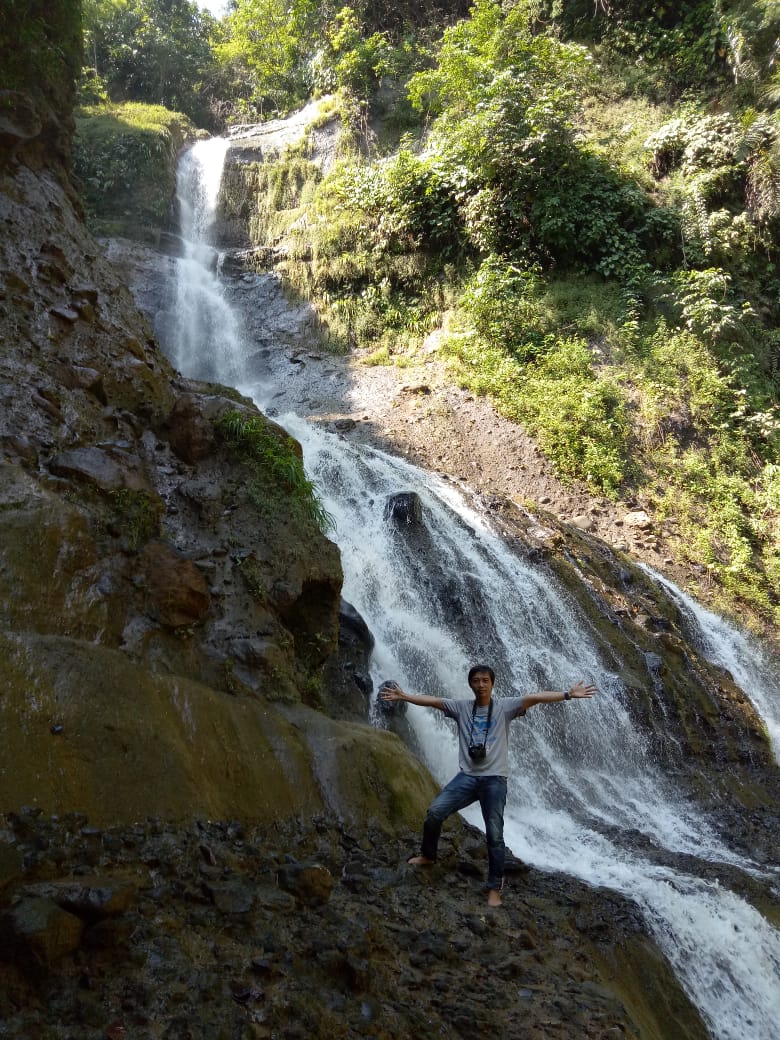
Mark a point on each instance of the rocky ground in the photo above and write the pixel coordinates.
(215, 931)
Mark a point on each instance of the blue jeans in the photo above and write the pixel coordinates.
(463, 790)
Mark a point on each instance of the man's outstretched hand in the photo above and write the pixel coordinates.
(391, 691)
(582, 689)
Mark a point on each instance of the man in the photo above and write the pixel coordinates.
(483, 739)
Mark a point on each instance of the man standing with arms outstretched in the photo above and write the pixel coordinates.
(483, 739)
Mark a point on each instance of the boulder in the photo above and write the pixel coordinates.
(638, 519)
(404, 508)
(108, 471)
(90, 898)
(38, 930)
(191, 425)
(310, 883)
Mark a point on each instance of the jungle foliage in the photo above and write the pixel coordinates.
(585, 196)
(599, 232)
(125, 158)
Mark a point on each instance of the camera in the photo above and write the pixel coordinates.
(477, 752)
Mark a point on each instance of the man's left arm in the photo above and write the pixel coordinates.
(580, 691)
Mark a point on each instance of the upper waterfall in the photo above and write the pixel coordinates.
(204, 338)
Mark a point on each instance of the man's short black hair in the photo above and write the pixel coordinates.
(482, 668)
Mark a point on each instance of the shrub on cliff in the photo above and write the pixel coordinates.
(125, 157)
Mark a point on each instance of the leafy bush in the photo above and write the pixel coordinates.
(500, 301)
(125, 158)
(578, 414)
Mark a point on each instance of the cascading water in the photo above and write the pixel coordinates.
(585, 784)
(731, 649)
(204, 337)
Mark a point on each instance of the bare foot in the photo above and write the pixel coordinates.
(420, 861)
(494, 897)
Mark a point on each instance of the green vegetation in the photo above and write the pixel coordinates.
(601, 239)
(586, 197)
(125, 156)
(40, 46)
(159, 52)
(137, 515)
(274, 461)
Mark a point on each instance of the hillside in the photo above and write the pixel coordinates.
(582, 206)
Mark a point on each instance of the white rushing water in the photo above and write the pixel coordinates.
(724, 645)
(205, 333)
(586, 796)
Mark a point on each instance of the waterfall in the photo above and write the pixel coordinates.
(586, 796)
(724, 645)
(203, 335)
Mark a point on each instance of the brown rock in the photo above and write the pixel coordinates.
(19, 119)
(190, 432)
(40, 930)
(79, 377)
(311, 884)
(178, 593)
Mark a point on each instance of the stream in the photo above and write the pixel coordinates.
(584, 781)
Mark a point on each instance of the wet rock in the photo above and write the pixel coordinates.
(404, 508)
(348, 683)
(177, 592)
(38, 930)
(345, 425)
(191, 425)
(107, 471)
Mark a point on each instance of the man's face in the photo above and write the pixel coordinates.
(482, 685)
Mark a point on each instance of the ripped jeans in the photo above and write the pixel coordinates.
(463, 790)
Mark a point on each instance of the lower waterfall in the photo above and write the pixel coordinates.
(586, 796)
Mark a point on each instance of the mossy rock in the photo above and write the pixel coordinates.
(125, 157)
(83, 728)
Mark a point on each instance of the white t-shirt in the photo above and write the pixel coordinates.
(472, 731)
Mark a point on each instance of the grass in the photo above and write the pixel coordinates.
(274, 462)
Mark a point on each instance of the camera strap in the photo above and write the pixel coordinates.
(474, 719)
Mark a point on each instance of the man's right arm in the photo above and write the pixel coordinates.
(395, 693)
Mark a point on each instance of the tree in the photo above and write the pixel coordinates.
(157, 51)
(271, 42)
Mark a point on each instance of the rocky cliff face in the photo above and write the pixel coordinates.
(162, 640)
